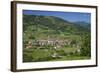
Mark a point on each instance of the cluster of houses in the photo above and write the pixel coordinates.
(55, 43)
(52, 42)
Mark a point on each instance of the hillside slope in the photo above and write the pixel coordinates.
(49, 36)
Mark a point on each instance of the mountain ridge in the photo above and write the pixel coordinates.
(52, 22)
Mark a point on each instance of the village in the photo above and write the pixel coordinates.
(56, 45)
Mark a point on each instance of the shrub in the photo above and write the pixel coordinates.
(86, 46)
(27, 57)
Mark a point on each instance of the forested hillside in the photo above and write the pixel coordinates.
(48, 38)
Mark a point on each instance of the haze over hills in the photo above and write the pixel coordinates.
(83, 24)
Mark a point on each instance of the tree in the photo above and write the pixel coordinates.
(86, 46)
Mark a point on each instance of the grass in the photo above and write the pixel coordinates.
(69, 49)
(36, 55)
(71, 58)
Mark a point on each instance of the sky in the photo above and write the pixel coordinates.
(69, 16)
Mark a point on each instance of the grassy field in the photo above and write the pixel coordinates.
(65, 58)
(36, 55)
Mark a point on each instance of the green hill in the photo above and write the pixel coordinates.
(38, 31)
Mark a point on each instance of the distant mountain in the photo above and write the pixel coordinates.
(83, 24)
